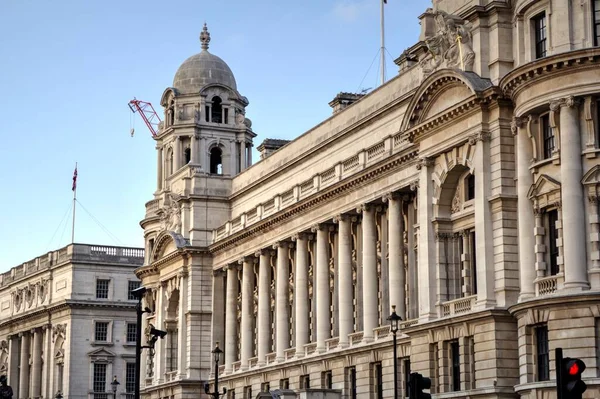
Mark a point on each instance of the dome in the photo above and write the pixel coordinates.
(203, 69)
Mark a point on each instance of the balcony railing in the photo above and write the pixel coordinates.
(546, 285)
(457, 306)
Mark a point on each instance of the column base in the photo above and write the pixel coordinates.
(261, 363)
(576, 286)
(367, 340)
(343, 345)
(299, 353)
(524, 296)
(280, 359)
(244, 368)
(321, 349)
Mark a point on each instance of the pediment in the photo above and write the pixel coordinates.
(544, 185)
(167, 243)
(592, 176)
(442, 91)
(101, 353)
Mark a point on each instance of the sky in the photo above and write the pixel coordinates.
(69, 67)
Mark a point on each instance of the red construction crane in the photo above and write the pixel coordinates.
(148, 114)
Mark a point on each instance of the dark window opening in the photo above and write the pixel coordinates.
(216, 162)
(305, 381)
(170, 155)
(547, 136)
(284, 383)
(99, 380)
(265, 387)
(470, 187)
(351, 376)
(326, 380)
(171, 113)
(552, 236)
(207, 113)
(406, 364)
(187, 154)
(132, 285)
(596, 14)
(130, 378)
(216, 110)
(473, 261)
(539, 26)
(378, 380)
(454, 352)
(101, 333)
(248, 392)
(542, 353)
(225, 115)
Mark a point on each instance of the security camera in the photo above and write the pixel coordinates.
(157, 333)
(138, 293)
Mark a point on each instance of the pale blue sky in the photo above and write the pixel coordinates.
(69, 68)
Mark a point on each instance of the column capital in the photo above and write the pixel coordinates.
(231, 266)
(22, 334)
(516, 124)
(344, 217)
(218, 273)
(247, 259)
(301, 236)
(569, 101)
(321, 226)
(393, 195)
(282, 244)
(365, 208)
(479, 136)
(426, 162)
(593, 199)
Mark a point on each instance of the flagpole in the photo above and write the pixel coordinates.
(74, 203)
(382, 50)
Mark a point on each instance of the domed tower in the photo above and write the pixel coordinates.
(204, 140)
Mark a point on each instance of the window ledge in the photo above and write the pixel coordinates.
(101, 343)
(129, 344)
(547, 161)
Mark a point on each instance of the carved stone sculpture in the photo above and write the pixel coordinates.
(451, 46)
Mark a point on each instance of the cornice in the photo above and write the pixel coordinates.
(554, 301)
(474, 316)
(519, 78)
(314, 200)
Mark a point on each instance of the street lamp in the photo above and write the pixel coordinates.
(217, 352)
(394, 320)
(58, 395)
(114, 384)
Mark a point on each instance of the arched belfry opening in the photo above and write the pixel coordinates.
(216, 161)
(187, 153)
(217, 110)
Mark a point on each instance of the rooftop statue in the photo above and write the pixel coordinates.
(450, 46)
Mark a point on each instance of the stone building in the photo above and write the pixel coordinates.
(464, 191)
(68, 323)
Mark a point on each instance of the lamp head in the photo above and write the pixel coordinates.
(217, 352)
(114, 384)
(158, 333)
(394, 320)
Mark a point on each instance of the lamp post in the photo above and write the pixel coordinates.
(114, 384)
(394, 320)
(217, 352)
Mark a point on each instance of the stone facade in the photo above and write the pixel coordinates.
(64, 320)
(464, 191)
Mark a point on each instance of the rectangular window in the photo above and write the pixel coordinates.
(547, 136)
(248, 392)
(305, 381)
(596, 14)
(101, 333)
(133, 285)
(470, 180)
(102, 289)
(539, 27)
(99, 381)
(284, 383)
(377, 380)
(326, 379)
(131, 332)
(455, 359)
(265, 387)
(552, 217)
(542, 353)
(351, 382)
(231, 394)
(406, 366)
(130, 378)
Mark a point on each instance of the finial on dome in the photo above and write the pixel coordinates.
(205, 37)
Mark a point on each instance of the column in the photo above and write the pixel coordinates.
(13, 364)
(194, 150)
(282, 309)
(263, 323)
(525, 210)
(426, 268)
(161, 344)
(243, 164)
(369, 252)
(36, 369)
(231, 318)
(397, 284)
(301, 292)
(346, 287)
(573, 206)
(159, 163)
(247, 305)
(218, 322)
(232, 159)
(486, 295)
(249, 149)
(323, 299)
(177, 154)
(24, 366)
(203, 155)
(182, 326)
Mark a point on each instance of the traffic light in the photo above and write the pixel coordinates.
(417, 384)
(571, 385)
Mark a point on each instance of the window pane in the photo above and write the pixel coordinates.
(132, 286)
(99, 378)
(130, 378)
(102, 289)
(543, 360)
(131, 332)
(455, 366)
(101, 332)
(552, 237)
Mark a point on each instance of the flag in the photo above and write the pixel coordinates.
(74, 179)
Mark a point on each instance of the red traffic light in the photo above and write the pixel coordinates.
(574, 369)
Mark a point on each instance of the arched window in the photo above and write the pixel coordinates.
(217, 110)
(216, 163)
(187, 153)
(470, 187)
(171, 113)
(170, 162)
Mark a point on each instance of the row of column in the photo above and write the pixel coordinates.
(29, 376)
(345, 299)
(572, 198)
